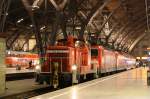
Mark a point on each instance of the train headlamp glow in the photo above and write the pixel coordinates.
(9, 52)
(37, 67)
(74, 67)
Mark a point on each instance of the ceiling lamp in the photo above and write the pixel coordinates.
(20, 20)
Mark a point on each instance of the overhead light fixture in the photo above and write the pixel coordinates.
(78, 28)
(144, 58)
(20, 20)
(138, 57)
(31, 25)
(42, 28)
(6, 13)
(148, 53)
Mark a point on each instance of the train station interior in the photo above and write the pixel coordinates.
(74, 49)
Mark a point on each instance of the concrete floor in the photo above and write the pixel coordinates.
(127, 85)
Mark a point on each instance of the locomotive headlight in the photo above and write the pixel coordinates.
(37, 67)
(74, 67)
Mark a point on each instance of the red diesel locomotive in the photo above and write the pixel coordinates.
(74, 61)
(65, 63)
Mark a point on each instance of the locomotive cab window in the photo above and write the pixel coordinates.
(94, 52)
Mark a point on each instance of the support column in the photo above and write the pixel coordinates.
(2, 65)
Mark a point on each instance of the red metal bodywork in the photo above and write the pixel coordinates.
(67, 56)
(22, 59)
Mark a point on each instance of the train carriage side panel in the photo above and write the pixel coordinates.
(121, 61)
(109, 60)
(14, 58)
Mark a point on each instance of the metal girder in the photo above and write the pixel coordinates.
(54, 30)
(61, 18)
(38, 36)
(31, 10)
(63, 26)
(27, 37)
(131, 33)
(109, 16)
(4, 6)
(110, 33)
(97, 9)
(137, 21)
(10, 40)
(130, 41)
(136, 41)
(133, 30)
(120, 30)
(139, 27)
(135, 36)
(60, 6)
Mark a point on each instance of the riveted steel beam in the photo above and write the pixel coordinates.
(32, 13)
(110, 33)
(27, 37)
(10, 40)
(63, 27)
(142, 30)
(128, 41)
(136, 41)
(97, 9)
(137, 21)
(130, 33)
(54, 29)
(60, 6)
(109, 17)
(113, 29)
(120, 31)
(4, 6)
(126, 45)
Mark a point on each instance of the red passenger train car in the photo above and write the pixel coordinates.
(22, 59)
(105, 60)
(108, 61)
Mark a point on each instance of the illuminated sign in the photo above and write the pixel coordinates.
(138, 58)
(144, 58)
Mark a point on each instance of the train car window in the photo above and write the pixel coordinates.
(94, 52)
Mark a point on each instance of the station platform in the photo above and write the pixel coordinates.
(20, 86)
(13, 74)
(125, 85)
(14, 71)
